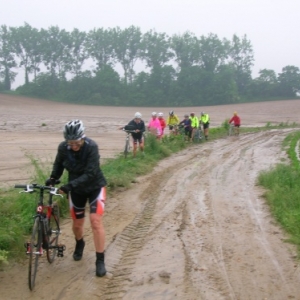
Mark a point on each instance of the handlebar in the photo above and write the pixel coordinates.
(30, 188)
(129, 131)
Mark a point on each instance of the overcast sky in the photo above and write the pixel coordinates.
(272, 26)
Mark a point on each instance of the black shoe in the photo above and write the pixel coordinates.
(77, 255)
(100, 266)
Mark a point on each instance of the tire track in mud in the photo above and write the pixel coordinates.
(205, 234)
(229, 217)
(127, 245)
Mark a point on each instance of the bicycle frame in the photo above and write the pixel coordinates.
(231, 129)
(127, 141)
(45, 231)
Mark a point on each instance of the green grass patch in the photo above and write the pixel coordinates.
(283, 191)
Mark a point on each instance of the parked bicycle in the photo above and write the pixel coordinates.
(45, 230)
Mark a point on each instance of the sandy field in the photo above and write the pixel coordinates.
(197, 227)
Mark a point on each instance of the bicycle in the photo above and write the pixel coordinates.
(231, 129)
(127, 139)
(198, 136)
(45, 230)
(175, 130)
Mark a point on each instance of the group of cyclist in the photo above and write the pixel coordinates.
(191, 123)
(79, 155)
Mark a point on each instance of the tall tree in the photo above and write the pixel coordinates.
(7, 57)
(78, 51)
(241, 58)
(213, 52)
(186, 48)
(27, 46)
(56, 45)
(127, 45)
(99, 44)
(289, 81)
(265, 85)
(156, 49)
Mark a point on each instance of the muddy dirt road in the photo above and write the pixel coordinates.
(195, 228)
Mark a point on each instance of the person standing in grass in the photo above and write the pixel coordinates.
(236, 120)
(186, 123)
(79, 155)
(136, 125)
(172, 122)
(194, 124)
(162, 122)
(154, 126)
(204, 120)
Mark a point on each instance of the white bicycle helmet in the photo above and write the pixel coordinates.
(160, 114)
(74, 130)
(137, 115)
(154, 114)
(171, 112)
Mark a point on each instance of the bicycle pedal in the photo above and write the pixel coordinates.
(60, 250)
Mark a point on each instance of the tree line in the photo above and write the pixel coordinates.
(178, 70)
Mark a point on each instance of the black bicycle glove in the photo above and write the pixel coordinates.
(66, 188)
(50, 181)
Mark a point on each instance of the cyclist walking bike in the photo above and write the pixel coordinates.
(236, 121)
(136, 128)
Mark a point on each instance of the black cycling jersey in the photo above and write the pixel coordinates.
(140, 126)
(83, 166)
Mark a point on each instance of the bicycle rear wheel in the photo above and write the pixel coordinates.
(127, 148)
(197, 136)
(53, 233)
(34, 252)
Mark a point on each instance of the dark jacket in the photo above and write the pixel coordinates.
(83, 166)
(132, 125)
(187, 123)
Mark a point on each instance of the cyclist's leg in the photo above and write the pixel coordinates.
(135, 141)
(96, 213)
(141, 144)
(193, 133)
(205, 127)
(77, 208)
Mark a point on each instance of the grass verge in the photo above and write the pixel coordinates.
(283, 190)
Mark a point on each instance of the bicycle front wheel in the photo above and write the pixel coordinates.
(127, 148)
(53, 233)
(34, 251)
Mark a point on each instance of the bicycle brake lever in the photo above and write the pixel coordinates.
(53, 191)
(29, 189)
